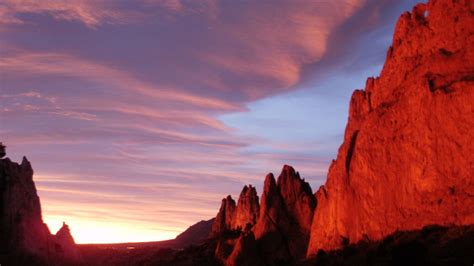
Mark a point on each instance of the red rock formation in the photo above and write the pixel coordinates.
(224, 217)
(407, 157)
(245, 252)
(273, 240)
(240, 216)
(65, 246)
(297, 197)
(23, 235)
(280, 224)
(247, 210)
(286, 211)
(22, 228)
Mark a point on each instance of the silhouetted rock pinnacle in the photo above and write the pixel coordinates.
(23, 235)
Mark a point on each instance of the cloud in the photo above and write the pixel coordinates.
(359, 42)
(272, 42)
(55, 64)
(91, 13)
(238, 51)
(121, 105)
(96, 13)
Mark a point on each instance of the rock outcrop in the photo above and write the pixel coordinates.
(2, 150)
(273, 239)
(407, 158)
(24, 237)
(64, 245)
(225, 216)
(237, 217)
(21, 226)
(247, 210)
(283, 228)
(278, 227)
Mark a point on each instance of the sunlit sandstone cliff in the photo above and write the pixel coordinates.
(408, 154)
(232, 216)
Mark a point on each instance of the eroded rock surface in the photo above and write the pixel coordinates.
(286, 211)
(225, 216)
(248, 208)
(240, 216)
(407, 158)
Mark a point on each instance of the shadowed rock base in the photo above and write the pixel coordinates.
(433, 245)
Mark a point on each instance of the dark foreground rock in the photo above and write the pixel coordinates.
(433, 245)
(24, 237)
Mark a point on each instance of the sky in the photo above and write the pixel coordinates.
(139, 116)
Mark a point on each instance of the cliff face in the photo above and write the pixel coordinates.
(407, 157)
(248, 208)
(285, 216)
(237, 217)
(224, 217)
(22, 227)
(24, 238)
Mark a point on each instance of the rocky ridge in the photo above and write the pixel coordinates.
(232, 216)
(280, 231)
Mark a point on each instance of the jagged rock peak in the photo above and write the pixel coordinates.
(406, 160)
(297, 196)
(248, 208)
(65, 245)
(269, 184)
(25, 162)
(22, 230)
(286, 211)
(225, 216)
(21, 225)
(289, 178)
(65, 233)
(3, 152)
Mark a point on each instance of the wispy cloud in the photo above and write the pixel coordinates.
(163, 107)
(91, 13)
(55, 64)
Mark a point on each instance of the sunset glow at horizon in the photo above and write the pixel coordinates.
(138, 117)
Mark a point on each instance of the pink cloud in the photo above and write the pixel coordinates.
(91, 13)
(56, 64)
(139, 118)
